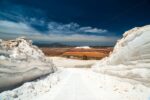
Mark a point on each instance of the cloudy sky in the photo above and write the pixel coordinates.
(80, 22)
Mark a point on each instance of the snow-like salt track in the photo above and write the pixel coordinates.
(83, 84)
(75, 87)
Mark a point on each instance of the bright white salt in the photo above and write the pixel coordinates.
(20, 61)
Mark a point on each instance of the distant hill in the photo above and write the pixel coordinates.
(56, 44)
(61, 45)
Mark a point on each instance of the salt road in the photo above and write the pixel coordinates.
(83, 84)
(75, 87)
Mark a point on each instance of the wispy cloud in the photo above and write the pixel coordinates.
(56, 32)
(19, 28)
(16, 12)
(73, 28)
(92, 30)
(17, 20)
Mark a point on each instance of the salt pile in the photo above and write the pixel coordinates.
(20, 61)
(130, 58)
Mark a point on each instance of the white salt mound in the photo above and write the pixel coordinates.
(83, 47)
(21, 61)
(130, 58)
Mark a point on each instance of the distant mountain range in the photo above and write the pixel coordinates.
(60, 45)
(56, 44)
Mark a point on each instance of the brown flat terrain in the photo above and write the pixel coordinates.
(85, 55)
(54, 51)
(70, 52)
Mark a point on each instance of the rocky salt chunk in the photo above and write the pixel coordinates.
(130, 58)
(21, 61)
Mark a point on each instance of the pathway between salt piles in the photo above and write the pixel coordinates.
(76, 86)
(84, 84)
